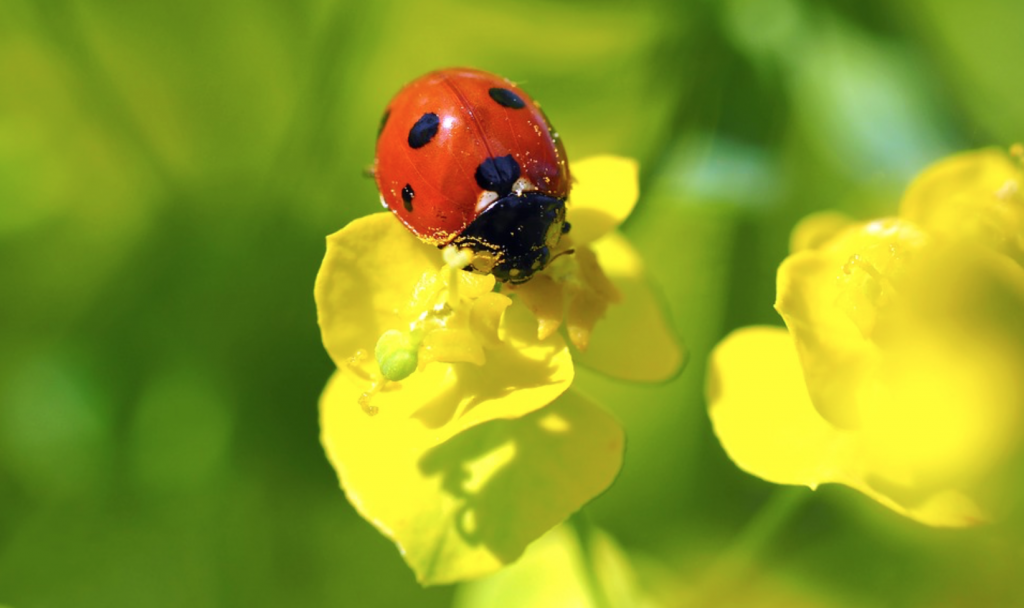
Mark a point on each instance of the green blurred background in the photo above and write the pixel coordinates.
(168, 173)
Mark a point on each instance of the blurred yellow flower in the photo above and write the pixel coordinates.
(977, 195)
(456, 437)
(900, 372)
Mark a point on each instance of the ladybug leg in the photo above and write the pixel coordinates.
(558, 255)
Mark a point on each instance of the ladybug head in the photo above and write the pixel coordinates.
(515, 235)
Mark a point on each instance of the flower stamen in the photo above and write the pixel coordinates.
(364, 399)
(455, 260)
(856, 263)
(866, 298)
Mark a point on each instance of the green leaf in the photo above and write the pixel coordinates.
(468, 506)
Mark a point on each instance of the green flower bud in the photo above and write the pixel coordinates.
(397, 355)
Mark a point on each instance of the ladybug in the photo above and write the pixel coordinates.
(467, 158)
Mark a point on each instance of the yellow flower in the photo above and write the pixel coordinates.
(900, 372)
(448, 420)
(977, 195)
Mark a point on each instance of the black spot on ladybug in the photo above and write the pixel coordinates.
(423, 131)
(407, 196)
(383, 121)
(507, 98)
(498, 174)
(566, 227)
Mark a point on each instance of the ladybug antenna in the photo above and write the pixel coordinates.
(558, 255)
(369, 171)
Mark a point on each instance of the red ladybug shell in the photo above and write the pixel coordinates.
(436, 133)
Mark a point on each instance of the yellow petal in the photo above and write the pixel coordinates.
(763, 415)
(485, 318)
(467, 507)
(585, 310)
(832, 299)
(949, 509)
(593, 276)
(817, 229)
(549, 576)
(544, 297)
(366, 280)
(472, 284)
(764, 419)
(604, 192)
(942, 422)
(945, 408)
(835, 355)
(975, 195)
(634, 340)
(452, 346)
(944, 416)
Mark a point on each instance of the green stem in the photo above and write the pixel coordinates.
(584, 529)
(736, 562)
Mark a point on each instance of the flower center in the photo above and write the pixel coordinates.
(455, 316)
(869, 281)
